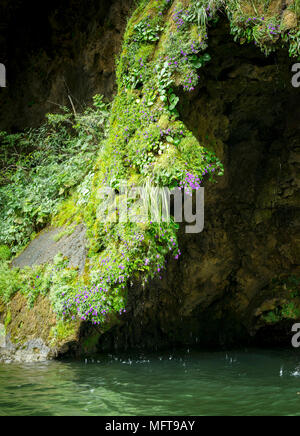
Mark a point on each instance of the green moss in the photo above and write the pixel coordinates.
(45, 280)
(68, 213)
(289, 311)
(5, 253)
(263, 23)
(67, 232)
(146, 140)
(288, 288)
(8, 319)
(63, 332)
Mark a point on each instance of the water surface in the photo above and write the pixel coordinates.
(253, 382)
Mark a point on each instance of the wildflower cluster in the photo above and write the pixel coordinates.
(180, 17)
(112, 270)
(190, 81)
(264, 27)
(190, 183)
(91, 304)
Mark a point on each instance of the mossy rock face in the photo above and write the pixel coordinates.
(30, 323)
(34, 334)
(238, 106)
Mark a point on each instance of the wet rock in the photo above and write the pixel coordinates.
(34, 350)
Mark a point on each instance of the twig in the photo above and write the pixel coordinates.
(73, 107)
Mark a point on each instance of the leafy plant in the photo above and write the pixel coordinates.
(41, 167)
(200, 61)
(145, 32)
(5, 253)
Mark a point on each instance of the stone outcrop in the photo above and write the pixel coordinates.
(33, 334)
(51, 242)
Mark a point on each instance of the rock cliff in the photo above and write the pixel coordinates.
(213, 82)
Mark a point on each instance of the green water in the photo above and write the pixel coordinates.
(253, 382)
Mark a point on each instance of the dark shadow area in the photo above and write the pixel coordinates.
(55, 49)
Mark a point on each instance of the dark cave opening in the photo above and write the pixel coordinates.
(252, 123)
